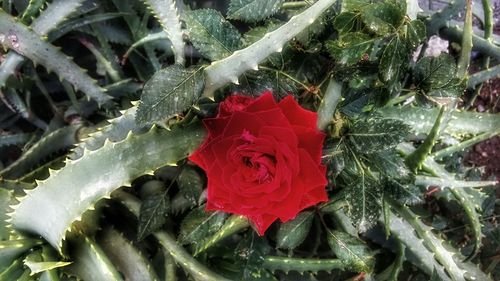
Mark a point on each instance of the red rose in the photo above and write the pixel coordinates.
(262, 159)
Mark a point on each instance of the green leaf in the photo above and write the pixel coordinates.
(253, 10)
(249, 258)
(364, 198)
(153, 214)
(393, 60)
(415, 33)
(190, 184)
(435, 72)
(199, 224)
(354, 5)
(37, 267)
(350, 48)
(345, 22)
(5, 200)
(170, 91)
(382, 18)
(374, 135)
(211, 34)
(391, 164)
(292, 233)
(352, 251)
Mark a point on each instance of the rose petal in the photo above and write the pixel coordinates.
(296, 115)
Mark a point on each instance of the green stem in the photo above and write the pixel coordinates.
(438, 155)
(479, 44)
(181, 256)
(301, 265)
(441, 18)
(232, 225)
(482, 76)
(464, 60)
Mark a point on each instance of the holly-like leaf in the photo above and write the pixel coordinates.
(211, 34)
(393, 60)
(345, 22)
(415, 33)
(153, 214)
(170, 91)
(249, 257)
(350, 49)
(390, 164)
(351, 251)
(253, 10)
(435, 72)
(200, 224)
(382, 18)
(291, 234)
(374, 135)
(190, 184)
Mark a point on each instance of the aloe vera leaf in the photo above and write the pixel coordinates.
(228, 69)
(55, 13)
(127, 259)
(456, 188)
(90, 262)
(450, 182)
(16, 139)
(422, 119)
(62, 198)
(332, 97)
(58, 140)
(197, 270)
(117, 130)
(302, 265)
(451, 259)
(28, 43)
(12, 249)
(165, 11)
(415, 159)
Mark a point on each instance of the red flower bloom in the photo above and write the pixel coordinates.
(262, 159)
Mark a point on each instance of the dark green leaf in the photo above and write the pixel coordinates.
(364, 196)
(354, 5)
(253, 10)
(390, 164)
(406, 193)
(374, 135)
(345, 22)
(249, 257)
(393, 60)
(435, 72)
(415, 33)
(153, 214)
(382, 18)
(211, 34)
(190, 184)
(351, 250)
(200, 224)
(170, 91)
(291, 234)
(350, 48)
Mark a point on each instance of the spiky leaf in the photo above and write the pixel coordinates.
(292, 233)
(61, 199)
(170, 91)
(352, 251)
(211, 34)
(253, 10)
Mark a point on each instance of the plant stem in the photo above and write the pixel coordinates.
(438, 155)
(479, 44)
(465, 54)
(482, 76)
(300, 265)
(488, 31)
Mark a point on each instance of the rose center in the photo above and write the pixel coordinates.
(258, 167)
